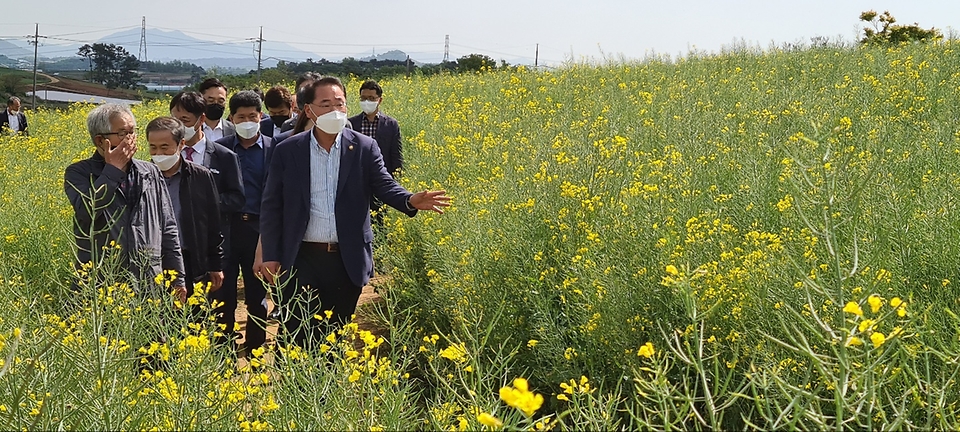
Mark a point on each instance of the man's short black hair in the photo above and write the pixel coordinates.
(210, 83)
(372, 85)
(277, 97)
(191, 102)
(309, 91)
(243, 99)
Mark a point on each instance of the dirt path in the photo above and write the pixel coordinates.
(367, 296)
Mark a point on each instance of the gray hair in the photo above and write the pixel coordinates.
(12, 100)
(169, 124)
(98, 121)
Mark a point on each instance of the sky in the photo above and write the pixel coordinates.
(503, 29)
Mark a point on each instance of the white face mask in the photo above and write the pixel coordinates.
(248, 130)
(369, 107)
(332, 122)
(190, 132)
(165, 162)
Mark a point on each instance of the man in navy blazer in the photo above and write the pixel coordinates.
(14, 119)
(253, 149)
(315, 218)
(379, 126)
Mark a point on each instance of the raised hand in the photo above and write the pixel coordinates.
(120, 155)
(430, 200)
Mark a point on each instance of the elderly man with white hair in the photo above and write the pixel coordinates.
(117, 198)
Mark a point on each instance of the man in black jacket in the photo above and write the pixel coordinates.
(195, 202)
(13, 118)
(190, 108)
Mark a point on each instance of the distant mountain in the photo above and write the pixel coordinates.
(165, 45)
(11, 49)
(389, 55)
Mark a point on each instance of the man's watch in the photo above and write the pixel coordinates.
(409, 207)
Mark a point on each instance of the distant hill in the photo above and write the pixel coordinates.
(13, 50)
(389, 55)
(165, 45)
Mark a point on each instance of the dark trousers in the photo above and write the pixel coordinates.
(319, 283)
(244, 235)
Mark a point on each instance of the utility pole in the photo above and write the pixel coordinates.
(446, 49)
(36, 44)
(259, 52)
(536, 57)
(142, 56)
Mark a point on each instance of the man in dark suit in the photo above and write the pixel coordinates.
(315, 215)
(254, 150)
(193, 194)
(199, 148)
(382, 128)
(215, 95)
(13, 119)
(279, 103)
(379, 126)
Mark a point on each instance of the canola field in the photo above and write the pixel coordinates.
(742, 240)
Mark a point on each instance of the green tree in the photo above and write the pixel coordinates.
(111, 65)
(885, 32)
(475, 62)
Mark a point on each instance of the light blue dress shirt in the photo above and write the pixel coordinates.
(324, 175)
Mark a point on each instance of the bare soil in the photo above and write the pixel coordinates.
(364, 319)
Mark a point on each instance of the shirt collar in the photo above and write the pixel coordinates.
(375, 117)
(218, 126)
(236, 142)
(336, 141)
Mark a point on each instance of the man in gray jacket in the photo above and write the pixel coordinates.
(119, 199)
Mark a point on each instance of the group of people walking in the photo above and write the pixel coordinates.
(283, 200)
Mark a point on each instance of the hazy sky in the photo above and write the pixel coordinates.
(508, 29)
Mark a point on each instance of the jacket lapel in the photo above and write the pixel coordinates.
(208, 149)
(302, 166)
(349, 152)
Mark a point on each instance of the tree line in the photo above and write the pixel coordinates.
(112, 66)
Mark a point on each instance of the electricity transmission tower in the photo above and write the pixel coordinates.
(446, 49)
(142, 56)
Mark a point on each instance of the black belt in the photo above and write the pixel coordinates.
(248, 216)
(320, 247)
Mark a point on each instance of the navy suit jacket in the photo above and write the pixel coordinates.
(266, 127)
(225, 166)
(285, 209)
(388, 138)
(231, 142)
(5, 121)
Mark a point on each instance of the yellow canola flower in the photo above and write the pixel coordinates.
(489, 420)
(895, 302)
(853, 308)
(672, 270)
(646, 350)
(455, 353)
(854, 341)
(865, 324)
(520, 397)
(532, 343)
(878, 339)
(875, 303)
